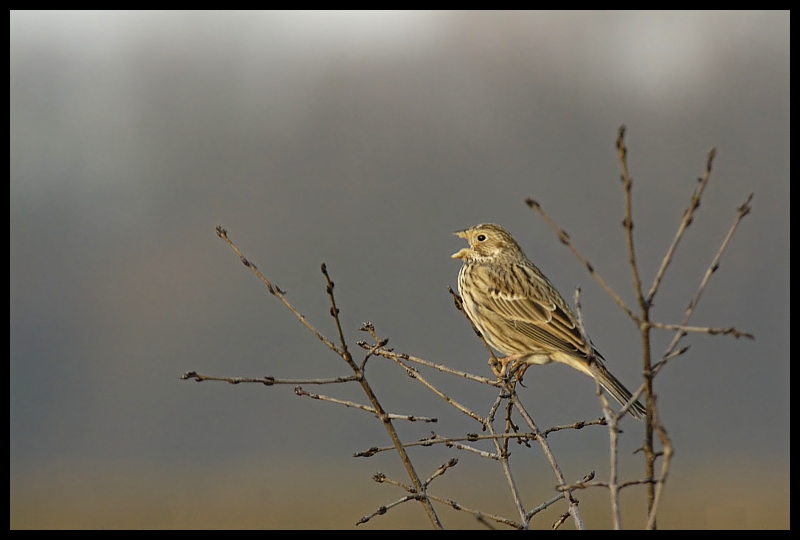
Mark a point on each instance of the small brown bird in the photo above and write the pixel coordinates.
(520, 313)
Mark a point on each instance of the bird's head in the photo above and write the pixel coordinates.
(486, 240)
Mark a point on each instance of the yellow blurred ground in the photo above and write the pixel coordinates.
(299, 496)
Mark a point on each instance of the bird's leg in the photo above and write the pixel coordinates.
(504, 362)
(518, 370)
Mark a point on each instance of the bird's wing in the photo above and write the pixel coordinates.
(531, 305)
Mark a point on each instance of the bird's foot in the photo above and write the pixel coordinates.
(507, 366)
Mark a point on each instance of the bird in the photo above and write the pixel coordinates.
(520, 313)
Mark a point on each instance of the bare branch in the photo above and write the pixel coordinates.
(439, 367)
(688, 215)
(371, 351)
(743, 210)
(473, 437)
(450, 443)
(414, 374)
(441, 470)
(335, 315)
(345, 355)
(564, 237)
(506, 382)
(580, 424)
(508, 388)
(560, 521)
(383, 509)
(613, 419)
(557, 498)
(410, 417)
(666, 443)
(381, 478)
(477, 513)
(587, 485)
(276, 291)
(704, 330)
(267, 380)
(627, 223)
(573, 504)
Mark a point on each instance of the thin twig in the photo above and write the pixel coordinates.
(627, 223)
(276, 291)
(414, 374)
(439, 367)
(371, 351)
(335, 314)
(560, 521)
(508, 387)
(472, 437)
(666, 443)
(743, 210)
(564, 237)
(587, 485)
(450, 443)
(688, 215)
(611, 418)
(512, 483)
(478, 513)
(441, 470)
(267, 380)
(410, 417)
(643, 319)
(381, 478)
(573, 504)
(383, 509)
(345, 355)
(588, 478)
(730, 331)
(580, 424)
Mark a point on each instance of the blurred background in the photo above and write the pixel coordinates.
(363, 140)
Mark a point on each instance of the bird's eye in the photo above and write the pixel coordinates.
(481, 237)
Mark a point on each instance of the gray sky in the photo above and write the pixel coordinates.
(363, 140)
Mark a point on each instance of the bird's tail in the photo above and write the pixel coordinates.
(618, 390)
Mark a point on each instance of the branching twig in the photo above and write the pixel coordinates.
(507, 385)
(276, 291)
(508, 388)
(267, 380)
(477, 513)
(473, 437)
(573, 504)
(730, 331)
(410, 417)
(588, 478)
(439, 367)
(666, 443)
(688, 215)
(564, 237)
(335, 314)
(441, 470)
(345, 355)
(627, 223)
(383, 509)
(743, 210)
(611, 418)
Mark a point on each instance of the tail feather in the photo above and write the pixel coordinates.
(619, 392)
(605, 378)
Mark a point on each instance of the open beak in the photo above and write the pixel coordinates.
(462, 252)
